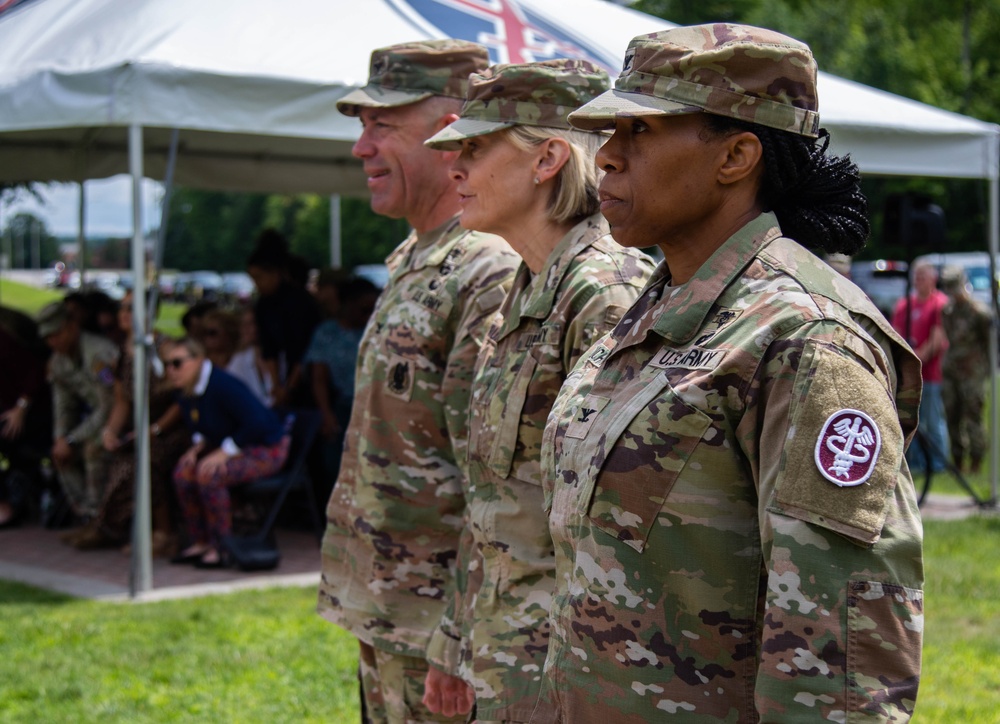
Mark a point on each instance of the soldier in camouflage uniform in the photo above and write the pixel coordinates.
(965, 369)
(81, 371)
(396, 512)
(737, 535)
(573, 285)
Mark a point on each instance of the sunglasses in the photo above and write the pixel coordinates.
(175, 362)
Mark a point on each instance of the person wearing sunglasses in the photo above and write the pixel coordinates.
(235, 439)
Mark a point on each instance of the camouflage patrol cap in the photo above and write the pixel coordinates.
(51, 319)
(953, 278)
(528, 94)
(739, 71)
(410, 72)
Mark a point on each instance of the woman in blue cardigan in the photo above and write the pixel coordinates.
(235, 439)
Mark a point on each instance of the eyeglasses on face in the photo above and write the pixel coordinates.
(175, 362)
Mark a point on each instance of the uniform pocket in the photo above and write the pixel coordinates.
(505, 442)
(885, 625)
(654, 437)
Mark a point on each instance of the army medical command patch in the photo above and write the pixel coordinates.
(848, 447)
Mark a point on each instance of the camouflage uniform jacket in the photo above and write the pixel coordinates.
(720, 554)
(83, 390)
(968, 324)
(395, 514)
(547, 322)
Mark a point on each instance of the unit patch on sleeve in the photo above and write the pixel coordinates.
(847, 448)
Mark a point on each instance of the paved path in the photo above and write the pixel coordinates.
(34, 555)
(31, 554)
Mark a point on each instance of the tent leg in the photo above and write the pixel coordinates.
(161, 237)
(141, 579)
(336, 258)
(994, 221)
(81, 235)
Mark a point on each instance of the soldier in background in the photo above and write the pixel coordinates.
(81, 371)
(397, 509)
(965, 369)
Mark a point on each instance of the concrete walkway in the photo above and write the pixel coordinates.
(33, 555)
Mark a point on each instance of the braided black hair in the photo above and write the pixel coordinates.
(817, 198)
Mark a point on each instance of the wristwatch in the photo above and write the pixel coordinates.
(155, 429)
(22, 403)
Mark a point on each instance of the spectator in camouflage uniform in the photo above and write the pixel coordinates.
(526, 175)
(737, 535)
(396, 512)
(965, 369)
(81, 371)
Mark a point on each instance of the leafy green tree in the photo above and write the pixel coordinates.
(942, 52)
(18, 237)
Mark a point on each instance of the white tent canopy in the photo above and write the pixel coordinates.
(252, 85)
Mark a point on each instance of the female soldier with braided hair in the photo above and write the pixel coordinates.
(736, 532)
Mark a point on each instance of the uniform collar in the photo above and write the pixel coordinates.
(536, 294)
(691, 304)
(423, 250)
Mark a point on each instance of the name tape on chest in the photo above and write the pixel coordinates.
(848, 447)
(692, 358)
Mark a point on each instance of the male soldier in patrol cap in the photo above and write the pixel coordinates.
(964, 369)
(396, 511)
(81, 371)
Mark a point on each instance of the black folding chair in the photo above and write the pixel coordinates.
(258, 551)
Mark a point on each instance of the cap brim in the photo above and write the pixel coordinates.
(450, 138)
(601, 112)
(373, 96)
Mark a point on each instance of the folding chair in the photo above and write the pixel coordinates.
(258, 552)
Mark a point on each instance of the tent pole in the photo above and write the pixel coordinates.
(161, 236)
(81, 236)
(336, 258)
(141, 579)
(994, 220)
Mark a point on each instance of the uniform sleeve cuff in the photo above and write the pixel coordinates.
(444, 652)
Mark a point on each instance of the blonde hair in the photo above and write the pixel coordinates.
(575, 194)
(190, 344)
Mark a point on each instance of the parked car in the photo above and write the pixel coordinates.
(197, 286)
(108, 282)
(377, 274)
(237, 287)
(976, 265)
(167, 282)
(883, 280)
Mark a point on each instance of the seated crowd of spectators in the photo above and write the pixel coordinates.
(220, 398)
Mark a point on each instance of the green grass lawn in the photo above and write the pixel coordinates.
(265, 656)
(30, 300)
(255, 656)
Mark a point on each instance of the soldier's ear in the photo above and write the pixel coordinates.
(743, 154)
(552, 155)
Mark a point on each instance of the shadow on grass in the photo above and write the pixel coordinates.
(19, 594)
